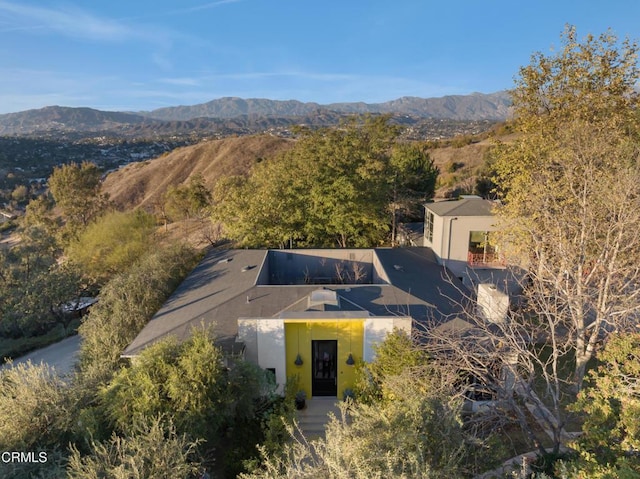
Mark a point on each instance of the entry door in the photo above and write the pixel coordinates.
(325, 378)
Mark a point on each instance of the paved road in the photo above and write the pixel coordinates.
(61, 355)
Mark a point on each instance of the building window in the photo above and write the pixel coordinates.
(428, 227)
(482, 251)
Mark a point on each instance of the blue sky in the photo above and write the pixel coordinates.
(142, 54)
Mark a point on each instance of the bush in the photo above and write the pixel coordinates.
(126, 304)
(35, 408)
(153, 450)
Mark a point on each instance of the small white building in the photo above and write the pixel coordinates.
(459, 233)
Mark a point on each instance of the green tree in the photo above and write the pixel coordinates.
(395, 356)
(20, 193)
(33, 283)
(76, 191)
(413, 177)
(190, 382)
(611, 406)
(188, 201)
(112, 244)
(34, 405)
(186, 380)
(264, 209)
(414, 431)
(154, 449)
(569, 186)
(331, 189)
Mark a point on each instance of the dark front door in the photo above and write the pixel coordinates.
(325, 380)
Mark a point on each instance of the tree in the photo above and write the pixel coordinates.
(576, 249)
(36, 407)
(34, 404)
(413, 177)
(414, 429)
(76, 191)
(154, 449)
(609, 444)
(33, 283)
(265, 209)
(112, 243)
(331, 189)
(189, 382)
(393, 357)
(188, 201)
(20, 193)
(185, 380)
(125, 305)
(571, 211)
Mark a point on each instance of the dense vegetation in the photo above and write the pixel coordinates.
(340, 187)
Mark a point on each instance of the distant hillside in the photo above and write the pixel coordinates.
(237, 116)
(477, 106)
(64, 118)
(143, 184)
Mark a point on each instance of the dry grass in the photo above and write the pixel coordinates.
(141, 185)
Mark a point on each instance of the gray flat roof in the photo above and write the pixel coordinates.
(222, 289)
(462, 207)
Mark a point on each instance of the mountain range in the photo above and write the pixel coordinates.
(236, 114)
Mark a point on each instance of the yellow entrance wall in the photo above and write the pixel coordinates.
(349, 334)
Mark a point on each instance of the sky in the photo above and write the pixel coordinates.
(132, 55)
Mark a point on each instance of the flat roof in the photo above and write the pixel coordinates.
(221, 289)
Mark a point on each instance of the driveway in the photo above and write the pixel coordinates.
(61, 355)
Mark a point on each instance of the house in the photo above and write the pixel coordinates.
(459, 233)
(312, 313)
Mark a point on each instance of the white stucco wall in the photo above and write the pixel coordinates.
(451, 238)
(248, 333)
(460, 230)
(377, 328)
(264, 342)
(271, 347)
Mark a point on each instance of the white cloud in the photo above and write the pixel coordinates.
(69, 22)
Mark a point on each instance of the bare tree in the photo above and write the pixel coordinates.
(571, 208)
(359, 272)
(503, 365)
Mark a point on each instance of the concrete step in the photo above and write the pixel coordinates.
(314, 417)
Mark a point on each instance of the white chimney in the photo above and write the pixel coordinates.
(493, 304)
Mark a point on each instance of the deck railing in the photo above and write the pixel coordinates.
(488, 260)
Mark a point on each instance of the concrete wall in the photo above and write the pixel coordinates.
(248, 333)
(271, 347)
(316, 266)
